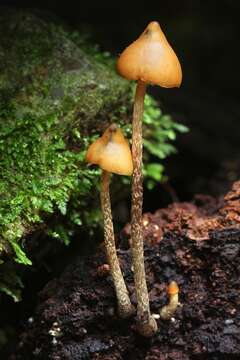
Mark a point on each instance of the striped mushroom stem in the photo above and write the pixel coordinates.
(148, 60)
(125, 308)
(112, 153)
(145, 320)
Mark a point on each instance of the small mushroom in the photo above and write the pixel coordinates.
(168, 310)
(112, 153)
(148, 60)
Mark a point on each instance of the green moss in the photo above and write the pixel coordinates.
(50, 90)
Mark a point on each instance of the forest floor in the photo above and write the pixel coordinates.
(196, 244)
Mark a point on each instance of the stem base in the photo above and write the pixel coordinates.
(126, 311)
(147, 328)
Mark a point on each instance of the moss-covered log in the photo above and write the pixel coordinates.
(53, 94)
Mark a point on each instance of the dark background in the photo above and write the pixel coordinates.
(205, 35)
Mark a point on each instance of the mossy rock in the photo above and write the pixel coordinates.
(53, 95)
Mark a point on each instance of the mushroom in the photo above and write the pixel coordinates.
(149, 59)
(112, 153)
(168, 310)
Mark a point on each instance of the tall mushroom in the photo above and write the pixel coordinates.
(148, 60)
(112, 153)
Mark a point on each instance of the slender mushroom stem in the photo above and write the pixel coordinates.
(147, 325)
(125, 307)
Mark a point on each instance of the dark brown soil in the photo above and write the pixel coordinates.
(197, 245)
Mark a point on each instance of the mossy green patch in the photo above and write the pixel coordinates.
(52, 94)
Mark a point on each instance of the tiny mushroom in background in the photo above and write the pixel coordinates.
(148, 60)
(168, 311)
(113, 155)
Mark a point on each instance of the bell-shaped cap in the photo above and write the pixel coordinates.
(173, 288)
(151, 59)
(111, 152)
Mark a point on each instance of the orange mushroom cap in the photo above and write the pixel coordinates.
(151, 59)
(173, 288)
(111, 152)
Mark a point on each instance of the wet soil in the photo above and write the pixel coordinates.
(196, 244)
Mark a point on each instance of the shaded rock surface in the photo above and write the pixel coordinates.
(76, 316)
